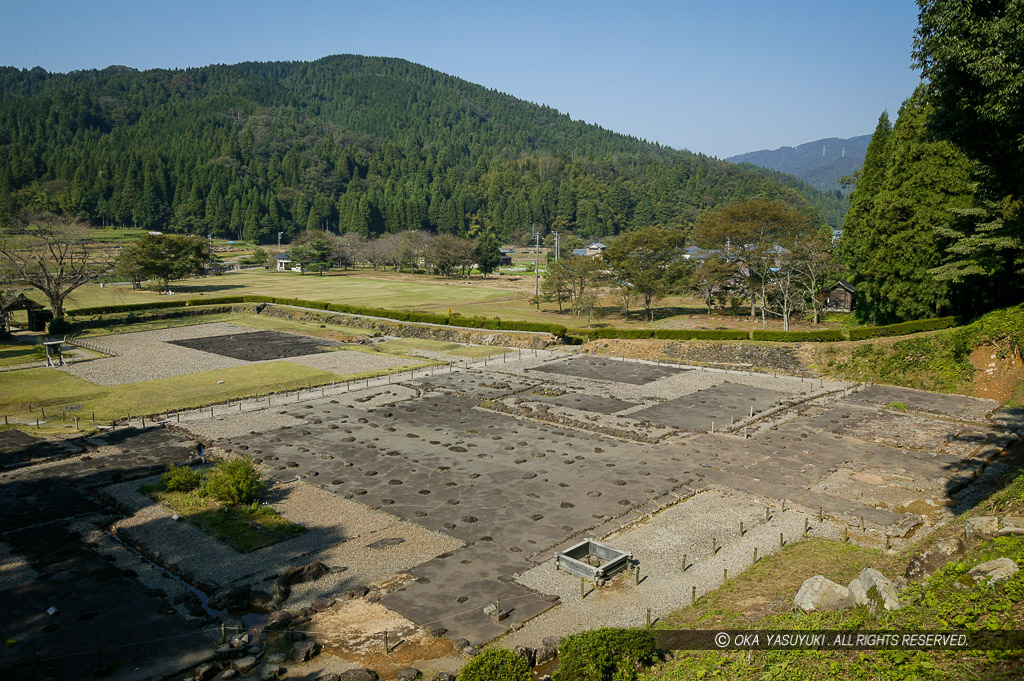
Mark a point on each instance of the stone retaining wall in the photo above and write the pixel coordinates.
(387, 327)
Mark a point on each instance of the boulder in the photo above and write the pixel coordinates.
(357, 592)
(321, 604)
(358, 675)
(268, 672)
(460, 643)
(260, 601)
(227, 674)
(244, 665)
(820, 593)
(527, 653)
(1011, 525)
(470, 651)
(444, 676)
(552, 641)
(880, 591)
(544, 654)
(993, 571)
(408, 674)
(276, 658)
(278, 620)
(226, 652)
(328, 677)
(306, 573)
(981, 528)
(926, 563)
(304, 651)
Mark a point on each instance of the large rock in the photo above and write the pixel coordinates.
(879, 591)
(244, 665)
(527, 653)
(926, 563)
(306, 573)
(545, 654)
(268, 672)
(1011, 525)
(304, 651)
(408, 674)
(993, 571)
(358, 675)
(235, 599)
(278, 620)
(981, 528)
(820, 593)
(444, 676)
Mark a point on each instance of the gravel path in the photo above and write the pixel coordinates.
(145, 355)
(339, 533)
(353, 361)
(659, 544)
(14, 569)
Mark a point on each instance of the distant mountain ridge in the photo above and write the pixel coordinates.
(820, 163)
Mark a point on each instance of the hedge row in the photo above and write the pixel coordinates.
(397, 315)
(799, 336)
(558, 330)
(902, 329)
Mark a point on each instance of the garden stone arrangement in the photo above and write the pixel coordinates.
(441, 501)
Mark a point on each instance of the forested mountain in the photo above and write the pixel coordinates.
(820, 163)
(361, 144)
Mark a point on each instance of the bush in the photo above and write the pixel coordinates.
(180, 479)
(234, 482)
(496, 664)
(606, 654)
(58, 326)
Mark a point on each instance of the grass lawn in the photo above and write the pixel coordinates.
(18, 353)
(245, 527)
(399, 345)
(56, 390)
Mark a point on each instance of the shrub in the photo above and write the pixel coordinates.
(58, 326)
(496, 664)
(234, 482)
(180, 479)
(606, 654)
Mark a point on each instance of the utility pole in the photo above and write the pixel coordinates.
(536, 269)
(557, 251)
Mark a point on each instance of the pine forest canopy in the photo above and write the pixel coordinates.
(352, 144)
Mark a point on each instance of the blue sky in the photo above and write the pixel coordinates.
(718, 77)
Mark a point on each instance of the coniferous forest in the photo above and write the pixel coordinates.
(346, 143)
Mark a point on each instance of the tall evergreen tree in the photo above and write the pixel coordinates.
(926, 181)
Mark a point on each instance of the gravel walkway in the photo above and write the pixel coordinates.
(354, 361)
(339, 533)
(659, 544)
(145, 355)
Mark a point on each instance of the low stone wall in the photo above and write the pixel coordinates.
(387, 327)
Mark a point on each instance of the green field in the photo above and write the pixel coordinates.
(27, 393)
(399, 345)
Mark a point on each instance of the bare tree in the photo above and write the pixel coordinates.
(52, 254)
(816, 265)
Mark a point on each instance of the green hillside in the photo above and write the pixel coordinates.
(820, 163)
(361, 144)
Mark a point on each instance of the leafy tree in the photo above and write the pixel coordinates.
(650, 261)
(606, 655)
(258, 258)
(580, 277)
(313, 250)
(51, 254)
(555, 285)
(748, 234)
(816, 268)
(712, 277)
(487, 253)
(448, 254)
(970, 56)
(164, 257)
